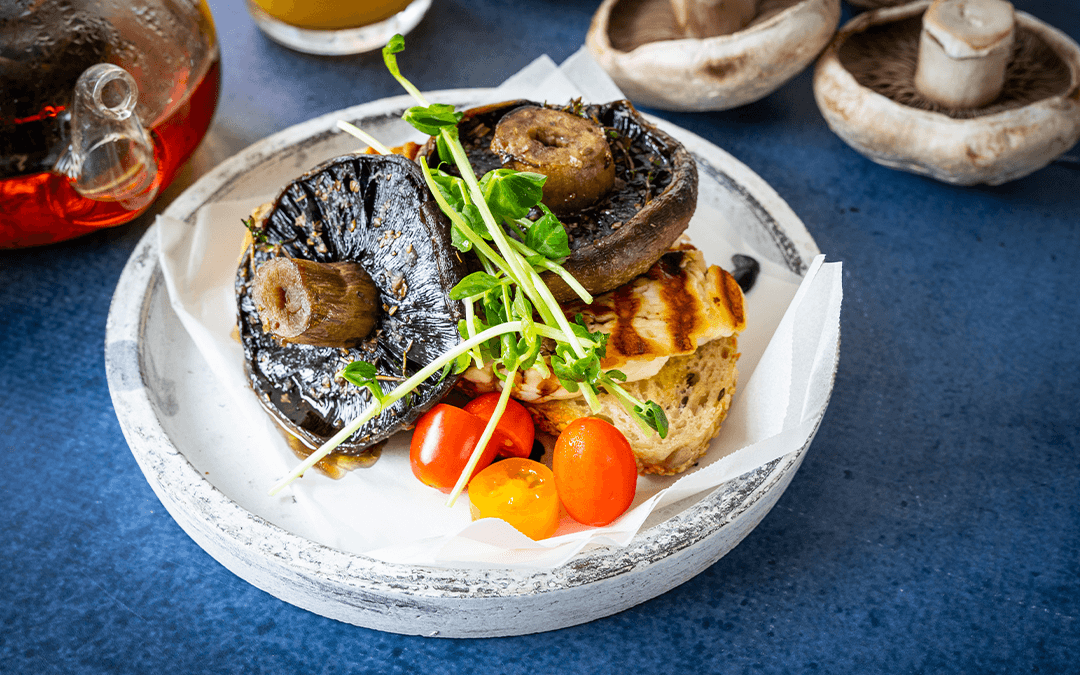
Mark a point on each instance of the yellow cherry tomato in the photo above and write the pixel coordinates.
(519, 491)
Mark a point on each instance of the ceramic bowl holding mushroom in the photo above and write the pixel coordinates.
(965, 91)
(693, 55)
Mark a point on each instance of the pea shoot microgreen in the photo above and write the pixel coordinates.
(509, 310)
(364, 374)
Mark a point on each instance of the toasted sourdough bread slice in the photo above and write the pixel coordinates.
(694, 391)
(679, 303)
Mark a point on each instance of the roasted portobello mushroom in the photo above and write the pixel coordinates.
(624, 189)
(357, 232)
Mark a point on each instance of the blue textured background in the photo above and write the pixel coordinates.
(933, 527)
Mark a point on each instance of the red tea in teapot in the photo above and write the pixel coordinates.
(67, 139)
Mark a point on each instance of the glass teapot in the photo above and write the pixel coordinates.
(101, 102)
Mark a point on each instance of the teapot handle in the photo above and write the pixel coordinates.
(111, 155)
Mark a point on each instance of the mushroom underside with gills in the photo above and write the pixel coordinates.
(368, 212)
(695, 55)
(619, 236)
(1004, 105)
(876, 4)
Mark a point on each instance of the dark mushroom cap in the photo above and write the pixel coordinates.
(376, 211)
(624, 233)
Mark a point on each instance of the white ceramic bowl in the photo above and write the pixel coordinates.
(178, 422)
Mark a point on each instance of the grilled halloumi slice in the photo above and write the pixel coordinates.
(678, 304)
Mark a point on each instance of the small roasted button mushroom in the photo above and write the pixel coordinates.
(353, 262)
(694, 55)
(569, 149)
(621, 234)
(965, 91)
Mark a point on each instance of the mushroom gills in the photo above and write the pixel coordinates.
(884, 58)
(709, 18)
(374, 212)
(641, 22)
(865, 86)
(650, 203)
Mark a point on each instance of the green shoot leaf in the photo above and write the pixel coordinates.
(547, 237)
(434, 118)
(510, 354)
(364, 374)
(653, 415)
(509, 194)
(616, 375)
(475, 284)
(447, 369)
(474, 220)
(570, 368)
(396, 45)
(445, 154)
(598, 338)
(452, 188)
(459, 240)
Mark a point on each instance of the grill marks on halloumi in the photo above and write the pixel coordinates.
(671, 309)
(678, 304)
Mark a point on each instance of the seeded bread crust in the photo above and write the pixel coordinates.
(694, 391)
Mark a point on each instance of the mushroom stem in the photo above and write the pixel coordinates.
(709, 18)
(313, 303)
(963, 51)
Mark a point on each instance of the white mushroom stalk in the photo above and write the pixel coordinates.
(709, 18)
(964, 49)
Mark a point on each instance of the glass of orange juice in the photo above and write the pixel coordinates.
(336, 26)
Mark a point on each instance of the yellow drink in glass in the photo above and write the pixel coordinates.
(331, 14)
(336, 26)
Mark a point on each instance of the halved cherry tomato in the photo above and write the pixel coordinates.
(442, 443)
(595, 471)
(519, 491)
(514, 434)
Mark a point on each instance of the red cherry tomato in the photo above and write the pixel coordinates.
(519, 491)
(514, 434)
(442, 443)
(595, 471)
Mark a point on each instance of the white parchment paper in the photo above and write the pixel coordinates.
(789, 354)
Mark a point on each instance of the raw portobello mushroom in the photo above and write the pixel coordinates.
(364, 231)
(625, 221)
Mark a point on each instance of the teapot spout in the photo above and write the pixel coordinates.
(111, 155)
